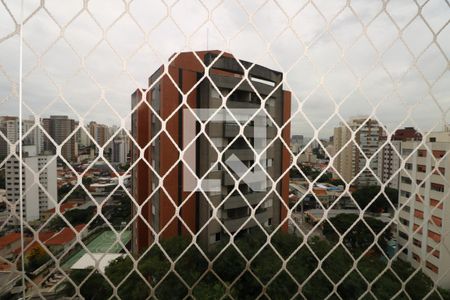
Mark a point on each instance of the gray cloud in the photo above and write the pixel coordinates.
(401, 81)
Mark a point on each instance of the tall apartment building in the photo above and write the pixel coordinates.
(10, 127)
(424, 206)
(59, 128)
(35, 200)
(389, 161)
(99, 132)
(164, 98)
(120, 148)
(350, 160)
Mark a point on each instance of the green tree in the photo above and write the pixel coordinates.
(36, 259)
(364, 195)
(74, 217)
(335, 264)
(2, 178)
(87, 181)
(93, 286)
(360, 237)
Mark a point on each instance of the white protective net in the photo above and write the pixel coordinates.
(234, 149)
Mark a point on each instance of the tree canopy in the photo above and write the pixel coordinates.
(231, 267)
(364, 195)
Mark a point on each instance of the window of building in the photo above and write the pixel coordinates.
(435, 252)
(438, 171)
(438, 153)
(419, 198)
(404, 221)
(405, 194)
(436, 221)
(403, 235)
(406, 180)
(434, 236)
(417, 229)
(432, 139)
(237, 213)
(422, 153)
(421, 168)
(434, 203)
(437, 187)
(418, 213)
(432, 267)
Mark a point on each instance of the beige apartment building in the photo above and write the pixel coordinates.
(349, 159)
(424, 209)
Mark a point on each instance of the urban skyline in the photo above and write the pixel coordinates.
(216, 149)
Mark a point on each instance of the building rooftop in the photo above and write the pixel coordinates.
(317, 214)
(64, 236)
(89, 260)
(64, 207)
(9, 238)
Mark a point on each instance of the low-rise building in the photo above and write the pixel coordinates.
(9, 242)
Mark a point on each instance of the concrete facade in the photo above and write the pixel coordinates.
(35, 199)
(424, 217)
(162, 155)
(351, 152)
(60, 128)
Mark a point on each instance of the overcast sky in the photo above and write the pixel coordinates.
(361, 59)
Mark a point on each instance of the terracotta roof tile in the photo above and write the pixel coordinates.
(8, 239)
(64, 236)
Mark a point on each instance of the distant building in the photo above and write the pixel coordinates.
(307, 156)
(424, 218)
(120, 148)
(60, 128)
(297, 139)
(83, 138)
(99, 132)
(349, 160)
(10, 128)
(35, 200)
(389, 161)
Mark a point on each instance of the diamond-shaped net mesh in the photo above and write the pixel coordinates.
(230, 149)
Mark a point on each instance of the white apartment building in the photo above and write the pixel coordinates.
(424, 217)
(10, 127)
(120, 147)
(35, 200)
